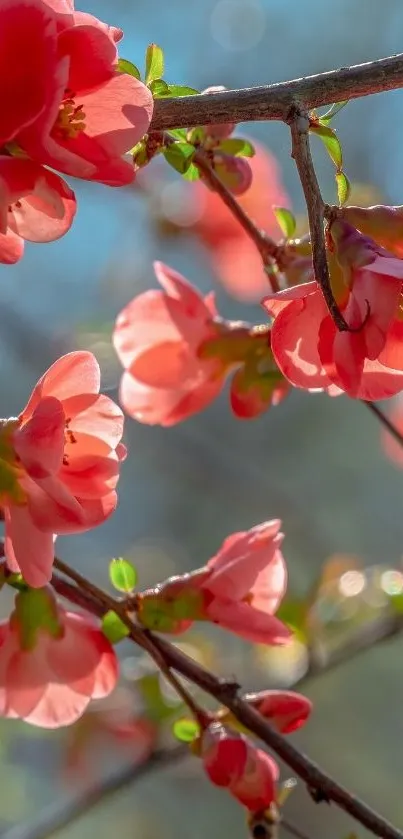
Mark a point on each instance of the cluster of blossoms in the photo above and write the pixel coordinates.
(70, 110)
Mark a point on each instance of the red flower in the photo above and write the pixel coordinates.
(59, 464)
(366, 362)
(89, 115)
(231, 760)
(52, 662)
(36, 205)
(239, 589)
(157, 338)
(284, 709)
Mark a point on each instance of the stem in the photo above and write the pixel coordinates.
(385, 421)
(275, 101)
(321, 786)
(267, 248)
(302, 155)
(141, 636)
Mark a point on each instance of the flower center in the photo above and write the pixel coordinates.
(70, 120)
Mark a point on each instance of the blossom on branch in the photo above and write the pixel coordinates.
(232, 761)
(239, 589)
(177, 352)
(84, 114)
(285, 710)
(36, 206)
(52, 662)
(365, 362)
(59, 464)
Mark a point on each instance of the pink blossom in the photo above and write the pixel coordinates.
(59, 464)
(88, 115)
(52, 662)
(35, 205)
(367, 362)
(232, 761)
(239, 589)
(157, 338)
(284, 709)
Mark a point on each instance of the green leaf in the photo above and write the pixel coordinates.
(113, 627)
(286, 221)
(186, 730)
(154, 63)
(159, 88)
(125, 66)
(333, 110)
(192, 174)
(178, 133)
(343, 187)
(237, 147)
(179, 156)
(157, 708)
(181, 90)
(122, 575)
(330, 140)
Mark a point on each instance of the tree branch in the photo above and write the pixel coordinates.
(384, 420)
(320, 785)
(301, 153)
(275, 101)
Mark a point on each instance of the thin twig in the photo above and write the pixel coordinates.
(385, 421)
(320, 785)
(269, 251)
(275, 101)
(301, 153)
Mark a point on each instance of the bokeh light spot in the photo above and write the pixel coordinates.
(352, 583)
(238, 25)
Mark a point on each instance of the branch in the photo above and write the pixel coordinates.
(269, 251)
(301, 153)
(385, 421)
(276, 101)
(321, 786)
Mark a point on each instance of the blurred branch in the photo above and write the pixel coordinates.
(291, 828)
(299, 123)
(58, 816)
(276, 101)
(320, 785)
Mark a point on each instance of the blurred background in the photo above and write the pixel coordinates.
(315, 462)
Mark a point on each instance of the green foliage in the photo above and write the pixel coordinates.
(113, 627)
(333, 110)
(125, 66)
(286, 220)
(159, 88)
(181, 90)
(330, 141)
(237, 147)
(122, 575)
(154, 63)
(179, 156)
(186, 730)
(157, 707)
(343, 187)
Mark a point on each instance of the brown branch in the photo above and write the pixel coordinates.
(384, 420)
(301, 153)
(275, 101)
(269, 251)
(321, 786)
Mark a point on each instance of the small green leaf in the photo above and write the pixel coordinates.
(333, 110)
(178, 133)
(113, 627)
(343, 187)
(186, 730)
(154, 63)
(125, 66)
(122, 575)
(181, 90)
(330, 140)
(286, 221)
(179, 156)
(237, 147)
(192, 173)
(159, 88)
